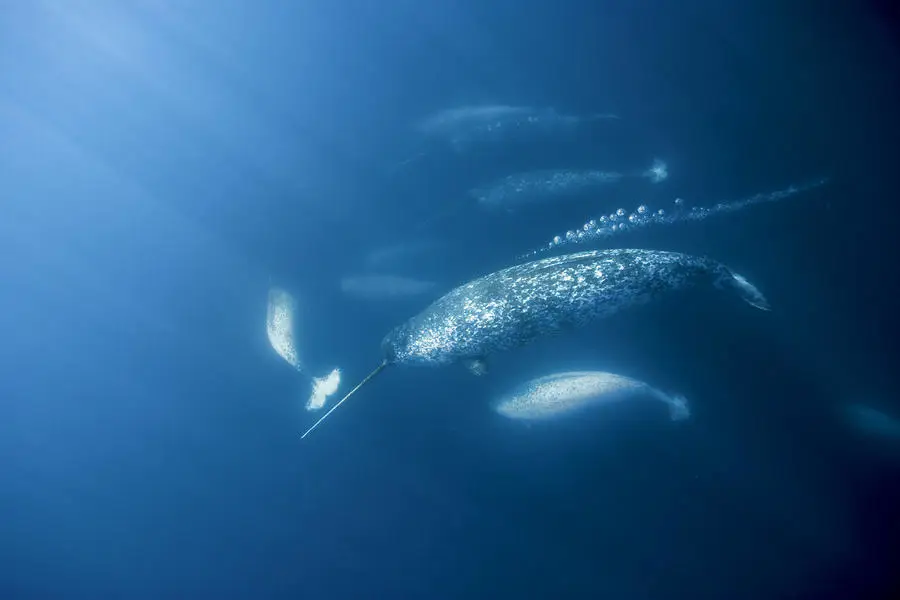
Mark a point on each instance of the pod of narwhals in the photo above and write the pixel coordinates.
(518, 305)
(281, 329)
(527, 301)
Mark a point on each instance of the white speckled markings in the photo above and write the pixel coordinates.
(562, 394)
(280, 323)
(516, 305)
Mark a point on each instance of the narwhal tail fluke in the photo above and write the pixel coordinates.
(679, 410)
(377, 370)
(747, 291)
(657, 172)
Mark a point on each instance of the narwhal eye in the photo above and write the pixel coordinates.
(389, 352)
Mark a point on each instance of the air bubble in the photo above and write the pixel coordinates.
(614, 223)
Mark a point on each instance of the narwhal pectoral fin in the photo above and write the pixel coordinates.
(477, 366)
(748, 292)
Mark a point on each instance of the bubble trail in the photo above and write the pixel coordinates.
(620, 221)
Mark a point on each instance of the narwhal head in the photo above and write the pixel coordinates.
(395, 344)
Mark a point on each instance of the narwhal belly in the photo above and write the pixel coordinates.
(514, 306)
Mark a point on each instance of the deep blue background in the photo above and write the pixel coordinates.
(163, 163)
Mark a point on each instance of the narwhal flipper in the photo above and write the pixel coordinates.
(746, 290)
(477, 366)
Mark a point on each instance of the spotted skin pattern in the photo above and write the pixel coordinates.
(514, 306)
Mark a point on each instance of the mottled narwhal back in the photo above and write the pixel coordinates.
(512, 307)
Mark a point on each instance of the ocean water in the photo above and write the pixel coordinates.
(164, 165)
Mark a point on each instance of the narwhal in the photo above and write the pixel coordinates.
(519, 304)
(467, 126)
(560, 394)
(537, 187)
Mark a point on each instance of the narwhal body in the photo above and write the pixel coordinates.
(514, 306)
(549, 185)
(469, 126)
(517, 305)
(562, 394)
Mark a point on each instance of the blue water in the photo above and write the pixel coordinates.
(162, 165)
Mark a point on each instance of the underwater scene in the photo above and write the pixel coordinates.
(447, 300)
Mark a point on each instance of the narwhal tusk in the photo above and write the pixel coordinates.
(350, 393)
